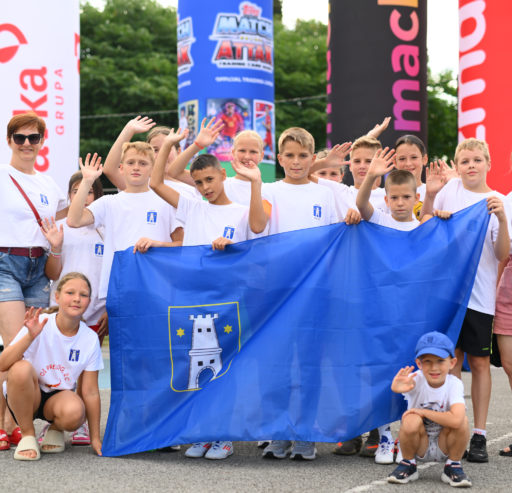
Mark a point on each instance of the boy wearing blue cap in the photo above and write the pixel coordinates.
(435, 426)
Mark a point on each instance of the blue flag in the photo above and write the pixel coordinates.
(292, 336)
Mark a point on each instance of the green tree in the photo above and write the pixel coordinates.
(128, 64)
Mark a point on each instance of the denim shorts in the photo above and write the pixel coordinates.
(23, 279)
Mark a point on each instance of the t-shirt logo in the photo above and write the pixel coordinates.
(44, 199)
(229, 232)
(317, 211)
(151, 217)
(98, 249)
(74, 354)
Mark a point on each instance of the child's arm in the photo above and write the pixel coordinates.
(78, 214)
(258, 219)
(144, 244)
(381, 164)
(502, 243)
(335, 157)
(14, 352)
(55, 237)
(103, 325)
(436, 180)
(138, 125)
(91, 397)
(376, 131)
(404, 380)
(447, 419)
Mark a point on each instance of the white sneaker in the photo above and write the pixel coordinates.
(384, 454)
(198, 449)
(219, 450)
(81, 436)
(399, 456)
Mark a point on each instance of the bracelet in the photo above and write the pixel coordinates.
(200, 147)
(55, 254)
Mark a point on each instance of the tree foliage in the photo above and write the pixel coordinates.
(128, 65)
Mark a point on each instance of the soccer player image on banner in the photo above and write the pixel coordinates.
(264, 118)
(188, 113)
(236, 116)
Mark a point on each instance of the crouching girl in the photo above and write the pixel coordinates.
(44, 362)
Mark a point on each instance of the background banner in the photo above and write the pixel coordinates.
(376, 67)
(39, 70)
(291, 336)
(226, 70)
(485, 104)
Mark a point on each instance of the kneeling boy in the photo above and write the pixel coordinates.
(435, 426)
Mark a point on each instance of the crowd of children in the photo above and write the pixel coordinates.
(162, 203)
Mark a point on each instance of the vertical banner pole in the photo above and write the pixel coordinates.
(484, 82)
(377, 67)
(39, 70)
(226, 70)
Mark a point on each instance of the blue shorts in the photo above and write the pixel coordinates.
(23, 279)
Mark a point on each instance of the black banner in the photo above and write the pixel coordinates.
(377, 67)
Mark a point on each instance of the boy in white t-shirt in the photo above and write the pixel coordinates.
(217, 220)
(473, 162)
(135, 216)
(361, 154)
(435, 426)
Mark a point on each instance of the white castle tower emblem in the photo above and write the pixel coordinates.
(205, 351)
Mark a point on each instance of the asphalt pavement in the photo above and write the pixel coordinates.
(79, 470)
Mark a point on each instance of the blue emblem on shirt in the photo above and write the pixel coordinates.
(317, 211)
(98, 249)
(74, 354)
(44, 199)
(151, 217)
(229, 232)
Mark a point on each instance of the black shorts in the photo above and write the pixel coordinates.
(476, 333)
(39, 411)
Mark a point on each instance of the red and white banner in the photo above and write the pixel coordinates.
(485, 75)
(39, 71)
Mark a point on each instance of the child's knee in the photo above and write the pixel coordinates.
(74, 413)
(412, 424)
(20, 373)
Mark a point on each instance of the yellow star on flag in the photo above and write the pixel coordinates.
(228, 329)
(180, 332)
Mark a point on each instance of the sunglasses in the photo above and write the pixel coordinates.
(33, 139)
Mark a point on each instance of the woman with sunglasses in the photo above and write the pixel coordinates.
(26, 196)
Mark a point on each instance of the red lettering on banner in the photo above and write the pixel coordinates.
(472, 23)
(59, 100)
(59, 129)
(184, 55)
(37, 79)
(225, 51)
(77, 53)
(405, 58)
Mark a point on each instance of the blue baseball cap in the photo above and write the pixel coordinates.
(435, 343)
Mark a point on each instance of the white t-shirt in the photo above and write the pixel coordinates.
(379, 217)
(239, 191)
(127, 217)
(454, 197)
(18, 225)
(184, 188)
(345, 197)
(205, 222)
(59, 360)
(440, 399)
(299, 206)
(82, 251)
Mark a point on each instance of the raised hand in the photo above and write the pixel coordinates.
(436, 177)
(140, 124)
(175, 137)
(92, 168)
(336, 156)
(32, 323)
(379, 128)
(252, 173)
(383, 162)
(404, 380)
(209, 132)
(53, 234)
(495, 206)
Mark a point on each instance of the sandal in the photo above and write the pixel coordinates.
(4, 438)
(25, 444)
(505, 452)
(55, 439)
(15, 436)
